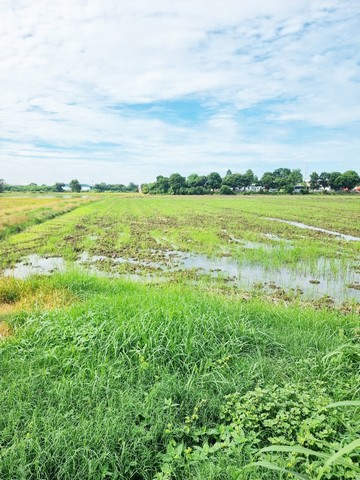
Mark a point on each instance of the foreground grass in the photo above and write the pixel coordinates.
(141, 382)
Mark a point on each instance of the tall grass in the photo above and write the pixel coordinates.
(108, 386)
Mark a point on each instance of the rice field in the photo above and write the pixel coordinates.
(181, 338)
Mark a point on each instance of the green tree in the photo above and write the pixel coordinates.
(59, 187)
(268, 180)
(226, 190)
(324, 179)
(177, 182)
(2, 185)
(248, 178)
(295, 177)
(314, 181)
(348, 180)
(161, 185)
(132, 187)
(75, 186)
(213, 181)
(194, 180)
(230, 180)
(333, 183)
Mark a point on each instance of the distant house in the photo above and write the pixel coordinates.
(298, 188)
(254, 188)
(84, 187)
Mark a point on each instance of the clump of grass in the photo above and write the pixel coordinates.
(10, 290)
(5, 330)
(37, 293)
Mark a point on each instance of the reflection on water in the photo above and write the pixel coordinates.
(34, 264)
(341, 286)
(317, 229)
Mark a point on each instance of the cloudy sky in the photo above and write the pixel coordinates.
(124, 90)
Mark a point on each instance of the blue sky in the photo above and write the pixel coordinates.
(113, 91)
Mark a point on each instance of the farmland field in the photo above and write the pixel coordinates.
(180, 337)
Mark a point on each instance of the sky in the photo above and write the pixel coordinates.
(125, 90)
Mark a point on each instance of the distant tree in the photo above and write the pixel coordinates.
(230, 180)
(295, 177)
(324, 179)
(333, 182)
(161, 185)
(75, 186)
(289, 188)
(229, 172)
(213, 181)
(249, 178)
(145, 188)
(348, 180)
(100, 187)
(59, 187)
(132, 187)
(268, 180)
(314, 181)
(226, 190)
(176, 182)
(2, 185)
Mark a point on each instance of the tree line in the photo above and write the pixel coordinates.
(74, 186)
(281, 180)
(335, 180)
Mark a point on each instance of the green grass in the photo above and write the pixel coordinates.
(107, 387)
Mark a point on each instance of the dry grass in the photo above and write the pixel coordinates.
(18, 296)
(5, 330)
(18, 212)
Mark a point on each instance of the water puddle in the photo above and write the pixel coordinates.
(344, 284)
(34, 264)
(317, 229)
(275, 238)
(250, 245)
(340, 286)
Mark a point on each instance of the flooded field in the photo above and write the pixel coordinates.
(339, 287)
(232, 242)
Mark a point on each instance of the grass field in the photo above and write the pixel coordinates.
(18, 213)
(140, 363)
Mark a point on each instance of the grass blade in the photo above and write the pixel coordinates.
(337, 456)
(272, 466)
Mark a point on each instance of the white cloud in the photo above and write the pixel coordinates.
(63, 64)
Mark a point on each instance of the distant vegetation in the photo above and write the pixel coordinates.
(74, 186)
(281, 180)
